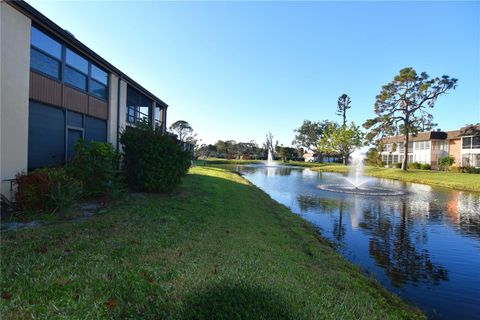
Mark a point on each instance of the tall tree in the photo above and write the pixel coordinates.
(343, 104)
(341, 140)
(268, 144)
(183, 130)
(402, 104)
(308, 135)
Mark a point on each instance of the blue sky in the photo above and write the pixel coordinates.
(237, 70)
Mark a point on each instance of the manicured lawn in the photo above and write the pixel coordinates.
(453, 180)
(218, 248)
(311, 164)
(209, 161)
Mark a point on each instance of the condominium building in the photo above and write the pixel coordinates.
(55, 91)
(429, 147)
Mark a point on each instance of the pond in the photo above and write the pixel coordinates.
(422, 243)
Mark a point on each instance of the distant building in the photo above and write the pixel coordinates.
(428, 147)
(310, 157)
(314, 157)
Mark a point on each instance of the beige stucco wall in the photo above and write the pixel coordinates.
(112, 109)
(14, 88)
(123, 107)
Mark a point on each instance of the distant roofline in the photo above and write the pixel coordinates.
(473, 129)
(38, 17)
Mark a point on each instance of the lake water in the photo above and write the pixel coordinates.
(423, 245)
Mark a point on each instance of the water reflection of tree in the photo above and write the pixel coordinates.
(392, 247)
(338, 226)
(325, 205)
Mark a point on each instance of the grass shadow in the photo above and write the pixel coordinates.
(236, 301)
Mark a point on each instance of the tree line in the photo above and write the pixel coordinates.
(401, 108)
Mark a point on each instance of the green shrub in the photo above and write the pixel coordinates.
(470, 169)
(95, 165)
(151, 161)
(425, 166)
(445, 163)
(397, 165)
(49, 189)
(374, 158)
(455, 169)
(414, 165)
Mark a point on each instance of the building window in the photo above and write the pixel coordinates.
(476, 142)
(76, 70)
(98, 82)
(467, 143)
(158, 110)
(45, 54)
(471, 142)
(440, 145)
(46, 58)
(471, 159)
(138, 106)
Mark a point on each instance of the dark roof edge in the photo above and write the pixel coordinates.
(36, 15)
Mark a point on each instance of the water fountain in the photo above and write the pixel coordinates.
(270, 161)
(356, 179)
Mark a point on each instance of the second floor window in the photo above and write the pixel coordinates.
(98, 82)
(471, 142)
(76, 70)
(138, 106)
(47, 57)
(45, 54)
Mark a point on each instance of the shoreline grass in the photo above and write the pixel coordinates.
(217, 248)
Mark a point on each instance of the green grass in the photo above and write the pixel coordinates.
(215, 161)
(218, 248)
(310, 164)
(452, 180)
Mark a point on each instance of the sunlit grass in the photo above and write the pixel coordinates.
(217, 248)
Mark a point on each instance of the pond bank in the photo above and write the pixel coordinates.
(217, 248)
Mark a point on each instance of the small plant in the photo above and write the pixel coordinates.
(374, 158)
(32, 190)
(95, 165)
(397, 165)
(47, 190)
(445, 163)
(152, 162)
(425, 166)
(454, 168)
(470, 169)
(414, 165)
